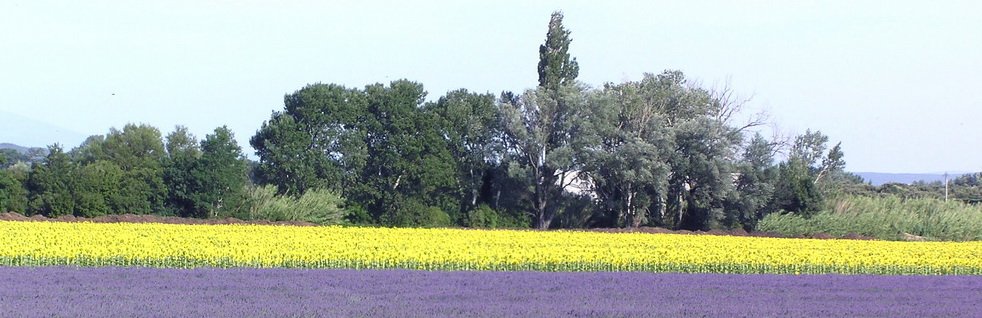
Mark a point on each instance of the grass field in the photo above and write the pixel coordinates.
(885, 218)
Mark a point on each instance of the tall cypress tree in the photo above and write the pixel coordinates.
(556, 67)
(542, 126)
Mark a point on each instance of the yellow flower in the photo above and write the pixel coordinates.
(169, 245)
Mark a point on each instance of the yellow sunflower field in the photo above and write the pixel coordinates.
(262, 246)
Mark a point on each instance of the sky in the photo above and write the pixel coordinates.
(897, 82)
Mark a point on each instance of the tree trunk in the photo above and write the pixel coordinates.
(543, 220)
(474, 191)
(629, 213)
(681, 210)
(497, 199)
(541, 205)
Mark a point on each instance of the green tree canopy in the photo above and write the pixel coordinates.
(183, 155)
(317, 141)
(220, 175)
(408, 163)
(50, 184)
(754, 185)
(470, 125)
(96, 189)
(543, 134)
(556, 66)
(628, 163)
(13, 194)
(803, 175)
(376, 146)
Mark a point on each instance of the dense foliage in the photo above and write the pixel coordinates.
(661, 151)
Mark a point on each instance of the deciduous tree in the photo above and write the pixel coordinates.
(408, 163)
(13, 195)
(220, 175)
(183, 156)
(627, 164)
(50, 184)
(542, 126)
(139, 151)
(317, 141)
(543, 133)
(470, 126)
(754, 184)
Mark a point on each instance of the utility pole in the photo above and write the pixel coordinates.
(946, 186)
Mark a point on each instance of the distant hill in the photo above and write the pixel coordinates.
(879, 178)
(21, 130)
(14, 153)
(20, 149)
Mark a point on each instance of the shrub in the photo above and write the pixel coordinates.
(483, 216)
(486, 217)
(316, 206)
(357, 214)
(888, 218)
(416, 214)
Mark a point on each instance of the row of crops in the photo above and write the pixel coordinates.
(246, 292)
(262, 246)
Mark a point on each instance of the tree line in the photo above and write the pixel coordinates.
(131, 170)
(659, 151)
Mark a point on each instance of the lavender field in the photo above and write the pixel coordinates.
(143, 292)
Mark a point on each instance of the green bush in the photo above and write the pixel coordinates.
(888, 218)
(315, 206)
(357, 215)
(435, 217)
(483, 216)
(417, 214)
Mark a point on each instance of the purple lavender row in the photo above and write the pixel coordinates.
(145, 292)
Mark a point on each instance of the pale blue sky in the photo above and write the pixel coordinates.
(898, 82)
